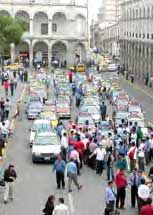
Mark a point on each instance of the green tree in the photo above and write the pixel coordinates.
(11, 31)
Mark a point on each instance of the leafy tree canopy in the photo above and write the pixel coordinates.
(11, 31)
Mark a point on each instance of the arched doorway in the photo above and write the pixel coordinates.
(40, 53)
(4, 13)
(22, 53)
(59, 25)
(80, 25)
(24, 16)
(80, 52)
(59, 51)
(40, 23)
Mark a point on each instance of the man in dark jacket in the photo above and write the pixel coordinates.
(103, 110)
(9, 178)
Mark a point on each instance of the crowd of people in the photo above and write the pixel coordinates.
(124, 155)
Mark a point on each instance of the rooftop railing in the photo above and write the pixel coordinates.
(45, 2)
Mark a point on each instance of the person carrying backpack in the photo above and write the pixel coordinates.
(132, 154)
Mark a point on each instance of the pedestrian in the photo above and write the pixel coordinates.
(64, 146)
(14, 74)
(15, 83)
(74, 154)
(133, 181)
(6, 87)
(103, 110)
(110, 198)
(147, 150)
(18, 113)
(7, 108)
(141, 155)
(49, 206)
(59, 167)
(12, 87)
(9, 178)
(147, 209)
(132, 154)
(139, 135)
(72, 175)
(109, 165)
(143, 194)
(100, 153)
(61, 208)
(121, 184)
(70, 74)
(2, 107)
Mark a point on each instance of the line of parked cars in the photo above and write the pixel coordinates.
(45, 113)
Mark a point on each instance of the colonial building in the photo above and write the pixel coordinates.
(136, 37)
(54, 28)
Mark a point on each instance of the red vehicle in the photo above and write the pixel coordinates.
(63, 110)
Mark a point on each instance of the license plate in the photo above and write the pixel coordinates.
(46, 158)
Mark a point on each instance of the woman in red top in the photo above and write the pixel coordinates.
(6, 87)
(121, 184)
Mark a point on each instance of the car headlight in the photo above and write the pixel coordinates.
(35, 154)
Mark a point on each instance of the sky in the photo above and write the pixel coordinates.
(94, 5)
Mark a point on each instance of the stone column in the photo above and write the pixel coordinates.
(50, 27)
(31, 54)
(49, 54)
(31, 26)
(12, 49)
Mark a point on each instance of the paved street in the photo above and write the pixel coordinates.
(36, 181)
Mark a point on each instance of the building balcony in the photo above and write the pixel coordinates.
(54, 36)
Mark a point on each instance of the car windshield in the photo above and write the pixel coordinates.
(122, 102)
(82, 120)
(121, 115)
(90, 109)
(62, 105)
(34, 107)
(134, 109)
(46, 140)
(40, 126)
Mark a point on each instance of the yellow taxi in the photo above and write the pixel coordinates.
(80, 68)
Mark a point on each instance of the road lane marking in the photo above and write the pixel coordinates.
(71, 204)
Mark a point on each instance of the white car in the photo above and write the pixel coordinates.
(93, 111)
(112, 67)
(46, 147)
(39, 125)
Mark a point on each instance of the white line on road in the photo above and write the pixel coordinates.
(71, 204)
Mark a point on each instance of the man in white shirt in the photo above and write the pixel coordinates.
(143, 193)
(141, 155)
(61, 208)
(100, 153)
(64, 146)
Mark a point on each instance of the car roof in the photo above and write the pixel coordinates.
(40, 121)
(47, 134)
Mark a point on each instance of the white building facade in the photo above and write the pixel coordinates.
(136, 38)
(55, 29)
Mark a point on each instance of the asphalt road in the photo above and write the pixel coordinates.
(36, 182)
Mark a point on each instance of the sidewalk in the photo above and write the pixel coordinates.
(13, 100)
(139, 84)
